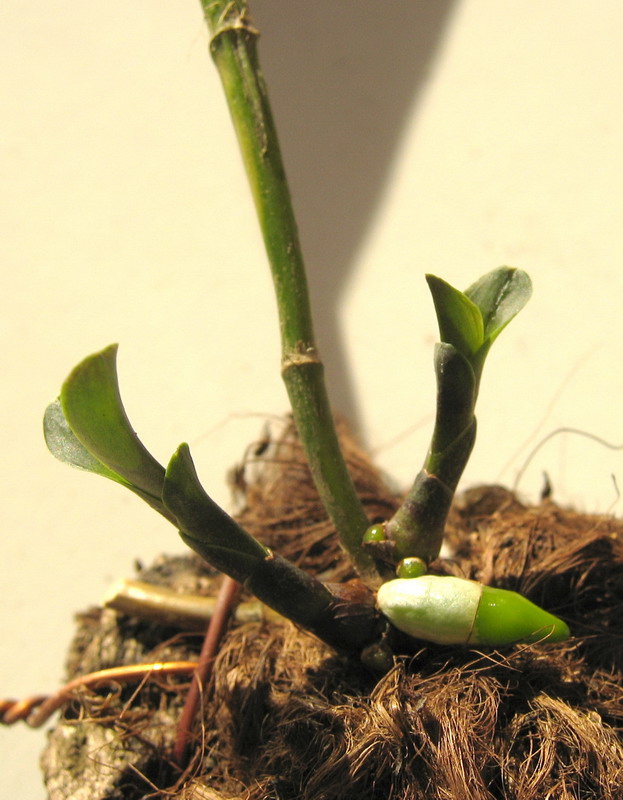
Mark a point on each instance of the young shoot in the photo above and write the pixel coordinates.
(469, 323)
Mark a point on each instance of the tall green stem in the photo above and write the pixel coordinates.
(233, 48)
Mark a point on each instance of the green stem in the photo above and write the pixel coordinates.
(417, 528)
(233, 48)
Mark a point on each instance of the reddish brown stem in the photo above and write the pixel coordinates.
(224, 603)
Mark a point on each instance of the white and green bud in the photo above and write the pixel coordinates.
(449, 610)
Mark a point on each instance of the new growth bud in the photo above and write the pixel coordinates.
(449, 610)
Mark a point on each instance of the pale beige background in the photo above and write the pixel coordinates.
(438, 136)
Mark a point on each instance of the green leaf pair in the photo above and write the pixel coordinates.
(471, 321)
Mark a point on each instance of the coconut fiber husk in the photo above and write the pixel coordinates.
(286, 718)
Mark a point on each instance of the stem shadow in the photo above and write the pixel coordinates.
(343, 79)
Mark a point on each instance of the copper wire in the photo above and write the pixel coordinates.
(36, 710)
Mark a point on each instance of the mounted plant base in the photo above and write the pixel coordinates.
(286, 718)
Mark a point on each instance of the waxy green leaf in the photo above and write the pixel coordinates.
(204, 526)
(64, 445)
(460, 320)
(92, 406)
(500, 295)
(88, 428)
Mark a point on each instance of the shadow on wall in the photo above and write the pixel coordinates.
(343, 79)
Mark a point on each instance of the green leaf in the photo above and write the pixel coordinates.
(64, 445)
(218, 538)
(203, 524)
(460, 320)
(500, 295)
(87, 428)
(91, 403)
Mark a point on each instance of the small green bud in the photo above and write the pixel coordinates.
(449, 610)
(375, 533)
(411, 567)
